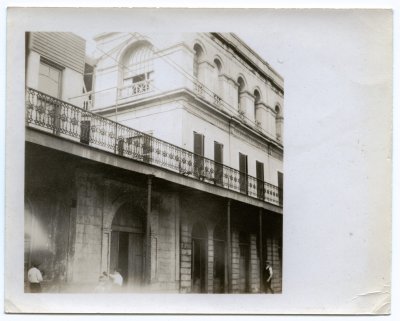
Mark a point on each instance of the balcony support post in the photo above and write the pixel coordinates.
(229, 246)
(147, 256)
(260, 246)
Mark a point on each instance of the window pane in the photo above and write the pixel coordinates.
(49, 80)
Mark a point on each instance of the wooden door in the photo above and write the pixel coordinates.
(135, 259)
(243, 172)
(260, 179)
(218, 158)
(280, 187)
(199, 263)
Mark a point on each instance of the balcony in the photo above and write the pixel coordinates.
(135, 89)
(51, 115)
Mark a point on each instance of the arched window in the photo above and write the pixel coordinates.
(241, 86)
(137, 70)
(196, 59)
(217, 73)
(256, 101)
(217, 85)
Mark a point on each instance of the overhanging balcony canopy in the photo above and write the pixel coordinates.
(56, 117)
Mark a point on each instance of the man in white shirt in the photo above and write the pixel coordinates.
(117, 279)
(34, 278)
(268, 277)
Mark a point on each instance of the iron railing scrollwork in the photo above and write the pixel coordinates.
(60, 118)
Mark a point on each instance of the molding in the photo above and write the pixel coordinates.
(207, 63)
(246, 92)
(229, 79)
(261, 104)
(219, 118)
(180, 45)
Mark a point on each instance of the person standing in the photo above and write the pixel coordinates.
(268, 277)
(117, 280)
(34, 278)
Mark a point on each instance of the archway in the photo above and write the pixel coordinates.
(199, 258)
(127, 244)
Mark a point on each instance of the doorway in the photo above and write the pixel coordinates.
(127, 242)
(220, 259)
(199, 258)
(244, 262)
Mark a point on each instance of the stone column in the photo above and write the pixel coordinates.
(229, 93)
(279, 128)
(105, 250)
(247, 106)
(262, 117)
(206, 72)
(271, 121)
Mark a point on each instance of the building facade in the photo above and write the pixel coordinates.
(162, 156)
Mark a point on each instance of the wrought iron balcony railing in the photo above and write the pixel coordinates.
(54, 116)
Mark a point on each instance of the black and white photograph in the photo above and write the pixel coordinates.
(153, 165)
(199, 161)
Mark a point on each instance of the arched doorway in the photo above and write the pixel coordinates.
(199, 258)
(244, 263)
(220, 271)
(127, 244)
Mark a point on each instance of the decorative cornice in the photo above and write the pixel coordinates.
(175, 47)
(261, 105)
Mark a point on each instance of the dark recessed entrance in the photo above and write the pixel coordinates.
(126, 253)
(199, 258)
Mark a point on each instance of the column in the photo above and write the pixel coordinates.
(147, 258)
(229, 246)
(260, 246)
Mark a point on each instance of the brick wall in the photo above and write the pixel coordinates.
(210, 266)
(185, 258)
(254, 265)
(235, 261)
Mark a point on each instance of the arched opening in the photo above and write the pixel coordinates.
(127, 244)
(256, 101)
(198, 54)
(199, 258)
(217, 81)
(137, 70)
(241, 86)
(220, 259)
(244, 262)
